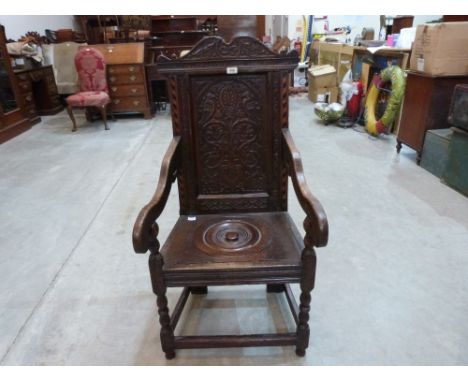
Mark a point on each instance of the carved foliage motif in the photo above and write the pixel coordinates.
(229, 131)
(240, 47)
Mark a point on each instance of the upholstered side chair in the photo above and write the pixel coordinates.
(231, 154)
(94, 92)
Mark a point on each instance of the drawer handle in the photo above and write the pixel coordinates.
(112, 79)
(28, 98)
(136, 103)
(131, 68)
(111, 70)
(132, 78)
(116, 101)
(114, 88)
(134, 90)
(24, 86)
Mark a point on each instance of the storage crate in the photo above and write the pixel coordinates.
(436, 151)
(456, 171)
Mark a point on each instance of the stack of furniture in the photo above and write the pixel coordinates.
(425, 107)
(126, 77)
(174, 34)
(171, 35)
(456, 171)
(13, 120)
(64, 35)
(39, 92)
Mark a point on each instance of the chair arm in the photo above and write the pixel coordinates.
(316, 223)
(143, 231)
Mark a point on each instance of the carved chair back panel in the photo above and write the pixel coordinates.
(230, 126)
(231, 138)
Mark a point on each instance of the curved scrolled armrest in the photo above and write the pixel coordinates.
(143, 228)
(316, 223)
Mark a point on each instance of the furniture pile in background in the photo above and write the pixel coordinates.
(445, 152)
(44, 74)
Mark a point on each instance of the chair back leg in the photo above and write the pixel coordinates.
(104, 116)
(72, 117)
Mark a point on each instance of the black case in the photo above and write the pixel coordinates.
(458, 114)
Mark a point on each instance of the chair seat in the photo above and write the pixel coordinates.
(92, 98)
(232, 248)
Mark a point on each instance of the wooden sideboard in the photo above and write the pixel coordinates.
(38, 92)
(425, 107)
(126, 77)
(12, 119)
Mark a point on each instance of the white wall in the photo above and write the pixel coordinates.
(17, 26)
(357, 23)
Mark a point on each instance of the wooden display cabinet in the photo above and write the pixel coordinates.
(13, 120)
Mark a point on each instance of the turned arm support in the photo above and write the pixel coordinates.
(316, 223)
(144, 235)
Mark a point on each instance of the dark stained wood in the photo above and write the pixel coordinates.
(231, 155)
(205, 342)
(39, 92)
(275, 288)
(12, 122)
(244, 25)
(316, 224)
(425, 107)
(180, 307)
(292, 303)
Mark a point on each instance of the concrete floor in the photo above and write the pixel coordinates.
(392, 285)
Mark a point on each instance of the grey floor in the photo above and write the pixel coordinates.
(392, 285)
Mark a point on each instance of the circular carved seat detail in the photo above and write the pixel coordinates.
(230, 236)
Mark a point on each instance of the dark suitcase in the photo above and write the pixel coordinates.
(458, 114)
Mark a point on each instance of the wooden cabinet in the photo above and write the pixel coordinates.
(126, 77)
(12, 118)
(38, 92)
(425, 107)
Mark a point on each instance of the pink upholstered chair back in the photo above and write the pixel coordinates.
(91, 69)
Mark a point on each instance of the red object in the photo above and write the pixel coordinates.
(354, 103)
(91, 69)
(298, 46)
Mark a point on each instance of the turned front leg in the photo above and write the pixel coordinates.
(309, 262)
(159, 288)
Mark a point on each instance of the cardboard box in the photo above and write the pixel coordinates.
(321, 76)
(328, 95)
(339, 55)
(441, 49)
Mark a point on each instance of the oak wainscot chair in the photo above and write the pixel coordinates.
(231, 154)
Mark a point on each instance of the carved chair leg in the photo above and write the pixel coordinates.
(199, 290)
(275, 288)
(159, 288)
(398, 147)
(72, 117)
(309, 262)
(104, 116)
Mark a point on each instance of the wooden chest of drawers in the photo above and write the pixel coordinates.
(425, 107)
(38, 92)
(126, 77)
